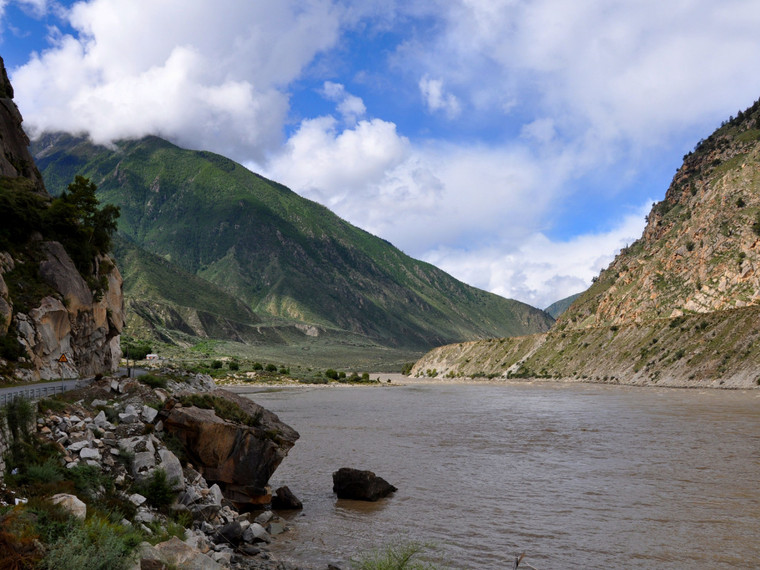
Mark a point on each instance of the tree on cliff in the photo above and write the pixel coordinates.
(75, 220)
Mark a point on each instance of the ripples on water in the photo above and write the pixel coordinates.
(576, 476)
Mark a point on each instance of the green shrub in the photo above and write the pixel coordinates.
(88, 479)
(216, 364)
(95, 544)
(225, 409)
(331, 374)
(314, 380)
(135, 349)
(233, 365)
(153, 381)
(271, 368)
(257, 366)
(45, 473)
(10, 347)
(393, 558)
(157, 490)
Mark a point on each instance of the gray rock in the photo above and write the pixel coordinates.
(101, 421)
(256, 533)
(137, 499)
(224, 558)
(89, 453)
(144, 515)
(189, 497)
(143, 462)
(98, 403)
(173, 468)
(129, 417)
(71, 503)
(215, 493)
(137, 444)
(231, 533)
(275, 528)
(78, 445)
(149, 414)
(264, 517)
(204, 512)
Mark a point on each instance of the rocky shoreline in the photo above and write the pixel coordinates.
(122, 427)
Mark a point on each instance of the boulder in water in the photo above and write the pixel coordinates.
(360, 485)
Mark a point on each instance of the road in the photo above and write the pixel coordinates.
(48, 389)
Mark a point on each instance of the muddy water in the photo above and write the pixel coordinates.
(575, 476)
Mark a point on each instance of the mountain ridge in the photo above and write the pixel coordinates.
(285, 257)
(678, 307)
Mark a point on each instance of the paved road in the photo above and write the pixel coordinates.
(39, 390)
(48, 389)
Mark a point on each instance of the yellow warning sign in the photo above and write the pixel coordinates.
(63, 358)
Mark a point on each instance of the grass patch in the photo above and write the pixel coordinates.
(153, 380)
(397, 557)
(225, 409)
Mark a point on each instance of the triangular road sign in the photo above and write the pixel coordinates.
(63, 358)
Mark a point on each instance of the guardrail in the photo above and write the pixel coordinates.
(37, 391)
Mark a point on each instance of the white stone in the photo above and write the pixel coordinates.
(137, 499)
(149, 414)
(256, 533)
(71, 503)
(78, 446)
(173, 468)
(89, 453)
(215, 493)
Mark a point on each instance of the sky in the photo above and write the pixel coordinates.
(516, 144)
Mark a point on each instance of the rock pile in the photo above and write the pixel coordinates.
(117, 428)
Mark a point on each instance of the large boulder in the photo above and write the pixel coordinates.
(240, 458)
(360, 485)
(285, 500)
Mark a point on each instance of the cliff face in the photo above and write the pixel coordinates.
(47, 308)
(679, 307)
(700, 251)
(15, 158)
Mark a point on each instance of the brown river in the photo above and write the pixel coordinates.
(575, 476)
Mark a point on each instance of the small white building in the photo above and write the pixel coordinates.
(152, 357)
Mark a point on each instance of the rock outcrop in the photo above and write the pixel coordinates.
(15, 158)
(360, 485)
(240, 457)
(63, 330)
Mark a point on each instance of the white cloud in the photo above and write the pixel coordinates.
(606, 71)
(350, 106)
(576, 88)
(436, 99)
(540, 271)
(333, 166)
(205, 75)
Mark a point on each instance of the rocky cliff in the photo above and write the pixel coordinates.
(678, 307)
(55, 320)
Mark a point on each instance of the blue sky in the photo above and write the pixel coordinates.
(516, 144)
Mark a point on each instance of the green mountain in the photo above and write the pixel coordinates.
(213, 250)
(559, 307)
(679, 307)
